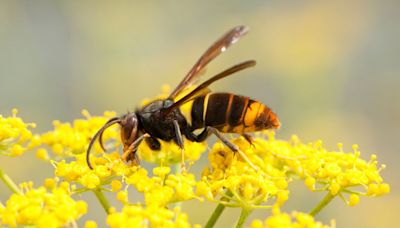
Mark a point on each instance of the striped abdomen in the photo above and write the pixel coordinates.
(229, 113)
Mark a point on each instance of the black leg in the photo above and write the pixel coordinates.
(179, 141)
(248, 138)
(153, 143)
(233, 147)
(224, 140)
(178, 134)
(198, 138)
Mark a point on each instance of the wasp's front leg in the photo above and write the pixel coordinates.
(130, 153)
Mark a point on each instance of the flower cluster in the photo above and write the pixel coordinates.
(294, 220)
(15, 135)
(107, 167)
(50, 205)
(67, 139)
(151, 216)
(230, 174)
(256, 177)
(163, 188)
(337, 172)
(171, 153)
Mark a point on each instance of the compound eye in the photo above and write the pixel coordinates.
(129, 128)
(168, 103)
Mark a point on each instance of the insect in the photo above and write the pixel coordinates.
(215, 113)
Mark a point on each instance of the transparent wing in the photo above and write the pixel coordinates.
(231, 37)
(203, 88)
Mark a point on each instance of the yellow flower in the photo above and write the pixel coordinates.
(277, 160)
(15, 135)
(150, 216)
(122, 196)
(354, 199)
(231, 174)
(256, 177)
(321, 169)
(294, 220)
(163, 188)
(69, 139)
(107, 167)
(42, 207)
(116, 185)
(90, 224)
(171, 153)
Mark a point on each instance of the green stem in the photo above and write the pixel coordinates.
(218, 211)
(10, 183)
(328, 198)
(243, 216)
(103, 200)
(215, 216)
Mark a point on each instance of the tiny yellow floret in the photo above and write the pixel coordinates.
(354, 199)
(90, 224)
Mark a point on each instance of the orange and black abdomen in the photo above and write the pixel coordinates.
(231, 113)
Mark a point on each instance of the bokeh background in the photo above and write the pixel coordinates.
(330, 69)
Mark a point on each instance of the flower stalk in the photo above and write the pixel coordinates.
(243, 216)
(102, 199)
(218, 211)
(327, 199)
(215, 215)
(9, 182)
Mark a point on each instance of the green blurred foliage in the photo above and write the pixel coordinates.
(329, 69)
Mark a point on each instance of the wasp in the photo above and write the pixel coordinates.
(210, 112)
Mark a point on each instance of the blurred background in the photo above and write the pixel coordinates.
(330, 70)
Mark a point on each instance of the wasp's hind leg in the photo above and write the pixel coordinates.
(206, 132)
(248, 138)
(179, 141)
(224, 140)
(198, 138)
(232, 146)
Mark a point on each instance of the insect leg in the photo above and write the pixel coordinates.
(198, 138)
(130, 153)
(153, 143)
(179, 141)
(248, 138)
(233, 147)
(224, 140)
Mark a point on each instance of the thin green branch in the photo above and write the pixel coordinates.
(80, 190)
(218, 211)
(9, 182)
(103, 200)
(243, 216)
(328, 198)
